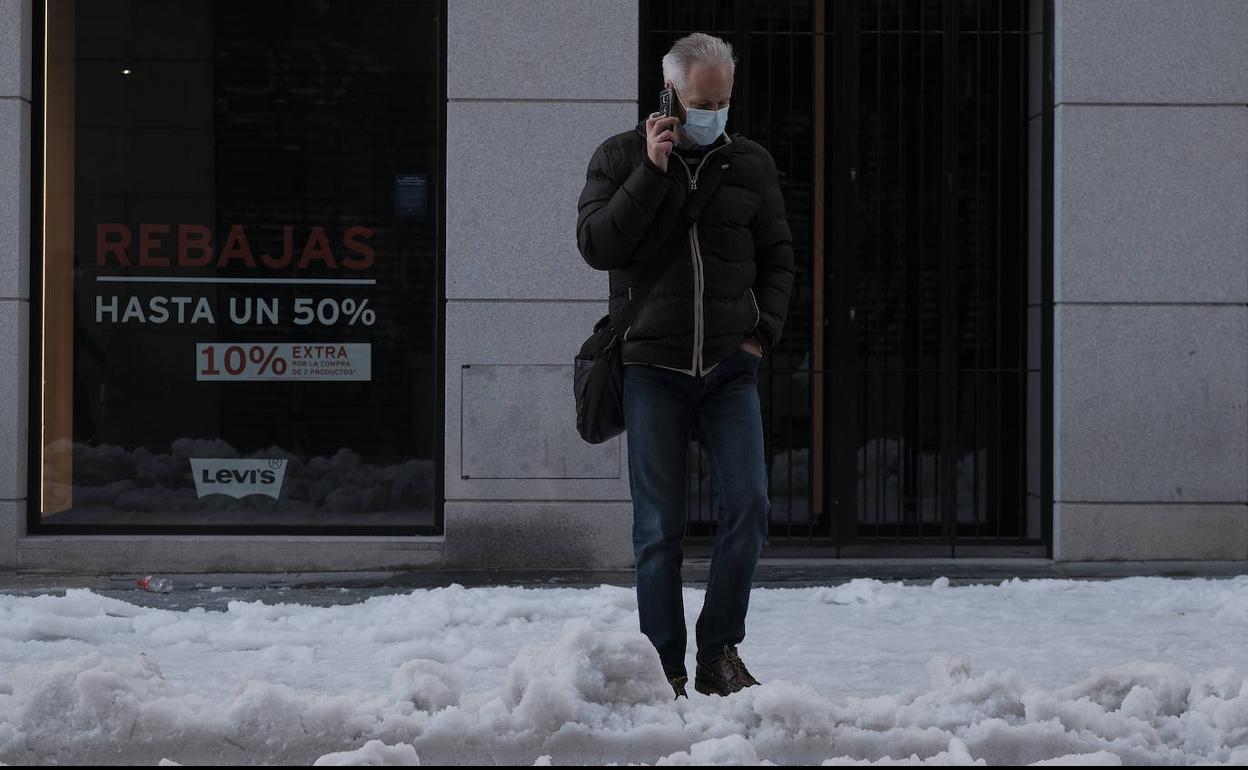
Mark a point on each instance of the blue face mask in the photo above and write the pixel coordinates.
(704, 126)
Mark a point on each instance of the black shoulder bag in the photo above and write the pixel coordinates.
(598, 374)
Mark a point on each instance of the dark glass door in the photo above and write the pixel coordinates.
(904, 406)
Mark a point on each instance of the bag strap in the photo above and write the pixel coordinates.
(690, 215)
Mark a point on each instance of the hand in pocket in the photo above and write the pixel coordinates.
(751, 345)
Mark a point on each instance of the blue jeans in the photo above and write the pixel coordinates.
(662, 408)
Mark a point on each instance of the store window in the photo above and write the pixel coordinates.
(240, 283)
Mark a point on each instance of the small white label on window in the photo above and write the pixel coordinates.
(238, 478)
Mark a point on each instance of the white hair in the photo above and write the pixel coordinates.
(698, 47)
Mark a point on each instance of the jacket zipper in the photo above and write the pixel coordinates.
(699, 279)
(630, 299)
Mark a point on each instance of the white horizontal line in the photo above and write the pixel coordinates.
(165, 279)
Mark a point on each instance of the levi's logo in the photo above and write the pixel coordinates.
(238, 478)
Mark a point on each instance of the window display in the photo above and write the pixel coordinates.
(240, 264)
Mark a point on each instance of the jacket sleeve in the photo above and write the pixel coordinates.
(773, 256)
(614, 216)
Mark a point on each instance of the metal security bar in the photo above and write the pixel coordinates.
(906, 407)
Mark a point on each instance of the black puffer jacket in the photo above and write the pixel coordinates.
(728, 275)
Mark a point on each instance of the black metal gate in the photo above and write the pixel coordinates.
(907, 407)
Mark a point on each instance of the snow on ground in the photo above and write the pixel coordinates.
(1135, 671)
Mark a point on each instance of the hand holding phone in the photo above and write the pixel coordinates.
(660, 131)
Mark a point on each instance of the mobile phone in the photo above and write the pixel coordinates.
(665, 102)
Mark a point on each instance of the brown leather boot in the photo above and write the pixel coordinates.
(747, 679)
(724, 675)
(678, 685)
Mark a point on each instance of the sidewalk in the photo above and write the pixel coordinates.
(215, 590)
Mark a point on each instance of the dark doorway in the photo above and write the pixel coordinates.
(907, 405)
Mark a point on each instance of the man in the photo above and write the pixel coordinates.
(690, 224)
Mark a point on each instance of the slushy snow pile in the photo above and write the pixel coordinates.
(1131, 671)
